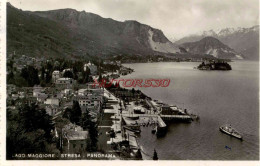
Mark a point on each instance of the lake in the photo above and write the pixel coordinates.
(218, 97)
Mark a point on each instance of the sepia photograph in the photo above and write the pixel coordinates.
(167, 80)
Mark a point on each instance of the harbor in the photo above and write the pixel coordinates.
(128, 115)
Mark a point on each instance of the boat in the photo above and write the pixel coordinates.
(227, 129)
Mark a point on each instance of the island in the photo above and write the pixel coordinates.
(214, 65)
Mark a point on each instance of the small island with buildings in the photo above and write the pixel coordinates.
(214, 65)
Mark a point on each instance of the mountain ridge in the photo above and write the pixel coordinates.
(84, 33)
(244, 40)
(110, 28)
(211, 46)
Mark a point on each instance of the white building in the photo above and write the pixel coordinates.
(92, 68)
(91, 102)
(67, 91)
(64, 82)
(37, 90)
(52, 101)
(55, 75)
(82, 92)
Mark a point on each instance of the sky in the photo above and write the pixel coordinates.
(176, 18)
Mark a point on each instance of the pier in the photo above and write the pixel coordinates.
(134, 121)
(176, 117)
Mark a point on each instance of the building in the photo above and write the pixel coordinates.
(52, 109)
(64, 82)
(21, 94)
(108, 62)
(52, 101)
(37, 90)
(41, 97)
(125, 71)
(160, 59)
(67, 92)
(90, 101)
(169, 110)
(75, 139)
(15, 96)
(92, 68)
(91, 89)
(11, 89)
(56, 75)
(139, 110)
(82, 92)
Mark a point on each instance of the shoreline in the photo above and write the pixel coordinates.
(130, 105)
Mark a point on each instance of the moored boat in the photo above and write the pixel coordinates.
(227, 129)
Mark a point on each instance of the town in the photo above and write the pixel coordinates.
(54, 106)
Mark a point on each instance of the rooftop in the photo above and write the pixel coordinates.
(77, 135)
(64, 79)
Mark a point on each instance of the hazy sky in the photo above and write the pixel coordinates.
(176, 18)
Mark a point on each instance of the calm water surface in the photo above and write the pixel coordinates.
(218, 97)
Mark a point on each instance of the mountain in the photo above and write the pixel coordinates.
(32, 35)
(67, 31)
(211, 46)
(243, 40)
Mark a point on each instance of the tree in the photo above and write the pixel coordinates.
(33, 118)
(48, 77)
(75, 113)
(29, 131)
(100, 77)
(49, 66)
(68, 74)
(42, 73)
(133, 91)
(67, 113)
(155, 157)
(85, 75)
(88, 124)
(30, 74)
(93, 134)
(59, 124)
(10, 77)
(86, 120)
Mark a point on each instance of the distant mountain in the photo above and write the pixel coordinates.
(67, 31)
(211, 46)
(243, 40)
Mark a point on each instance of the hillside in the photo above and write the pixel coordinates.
(70, 32)
(129, 37)
(32, 35)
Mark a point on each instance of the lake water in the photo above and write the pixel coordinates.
(218, 97)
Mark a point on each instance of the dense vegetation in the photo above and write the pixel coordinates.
(29, 130)
(36, 36)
